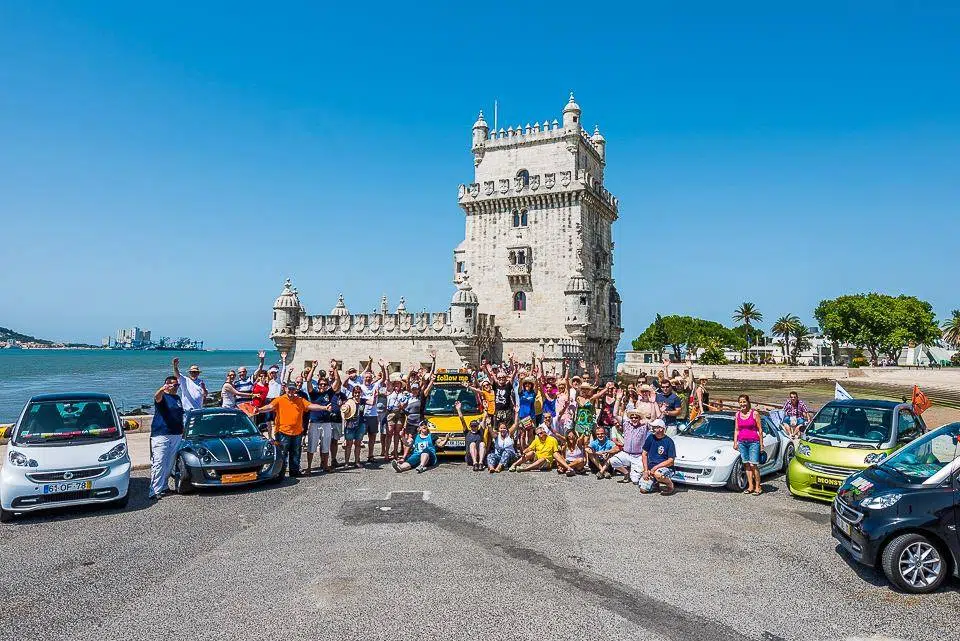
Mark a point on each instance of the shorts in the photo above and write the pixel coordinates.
(473, 437)
(647, 485)
(396, 417)
(414, 459)
(372, 424)
(319, 435)
(800, 421)
(355, 431)
(337, 432)
(749, 452)
(412, 424)
(549, 464)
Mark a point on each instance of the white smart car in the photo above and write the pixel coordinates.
(66, 449)
(705, 454)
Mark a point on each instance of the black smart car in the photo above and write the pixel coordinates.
(222, 447)
(903, 513)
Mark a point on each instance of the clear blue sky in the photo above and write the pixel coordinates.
(169, 164)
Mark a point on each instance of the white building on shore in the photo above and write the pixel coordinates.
(533, 272)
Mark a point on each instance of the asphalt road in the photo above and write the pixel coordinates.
(453, 554)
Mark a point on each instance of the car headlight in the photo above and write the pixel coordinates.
(19, 459)
(803, 449)
(269, 450)
(874, 458)
(117, 451)
(882, 501)
(204, 455)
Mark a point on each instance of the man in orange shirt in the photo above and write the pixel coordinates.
(288, 424)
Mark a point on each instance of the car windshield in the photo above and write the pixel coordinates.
(67, 422)
(719, 428)
(443, 397)
(854, 424)
(927, 455)
(219, 425)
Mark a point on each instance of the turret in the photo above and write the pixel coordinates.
(340, 309)
(286, 317)
(577, 299)
(463, 309)
(571, 115)
(480, 133)
(599, 142)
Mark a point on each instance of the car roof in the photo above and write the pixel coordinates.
(218, 410)
(864, 402)
(70, 396)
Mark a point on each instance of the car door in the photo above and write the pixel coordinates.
(908, 427)
(771, 444)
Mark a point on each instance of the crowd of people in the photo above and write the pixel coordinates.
(529, 419)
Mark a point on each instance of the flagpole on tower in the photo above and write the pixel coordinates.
(495, 116)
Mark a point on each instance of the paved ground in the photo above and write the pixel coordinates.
(461, 555)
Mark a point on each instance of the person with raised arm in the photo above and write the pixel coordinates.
(166, 431)
(193, 391)
(288, 425)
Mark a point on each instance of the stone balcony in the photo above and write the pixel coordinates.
(518, 270)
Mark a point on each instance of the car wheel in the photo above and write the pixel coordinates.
(5, 515)
(738, 477)
(181, 478)
(914, 564)
(788, 453)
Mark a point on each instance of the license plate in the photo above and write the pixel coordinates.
(456, 442)
(238, 478)
(822, 480)
(66, 486)
(845, 527)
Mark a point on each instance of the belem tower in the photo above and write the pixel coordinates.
(533, 273)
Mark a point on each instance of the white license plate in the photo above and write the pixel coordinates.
(456, 442)
(66, 486)
(845, 527)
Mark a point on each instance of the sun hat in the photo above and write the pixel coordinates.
(646, 387)
(530, 379)
(194, 368)
(633, 412)
(658, 423)
(349, 409)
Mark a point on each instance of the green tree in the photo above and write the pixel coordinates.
(747, 314)
(801, 341)
(951, 329)
(712, 354)
(784, 327)
(878, 323)
(684, 334)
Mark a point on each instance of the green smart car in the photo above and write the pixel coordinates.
(845, 437)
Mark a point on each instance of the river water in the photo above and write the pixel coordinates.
(130, 377)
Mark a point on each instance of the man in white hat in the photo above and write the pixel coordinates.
(193, 391)
(659, 453)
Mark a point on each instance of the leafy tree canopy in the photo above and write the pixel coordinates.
(879, 323)
(686, 333)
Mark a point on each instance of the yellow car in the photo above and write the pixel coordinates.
(441, 413)
(847, 436)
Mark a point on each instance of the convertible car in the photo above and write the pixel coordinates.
(222, 447)
(705, 454)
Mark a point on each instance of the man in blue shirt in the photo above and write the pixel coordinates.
(599, 452)
(669, 403)
(659, 453)
(166, 431)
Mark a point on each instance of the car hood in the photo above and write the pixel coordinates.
(61, 457)
(698, 449)
(229, 449)
(849, 457)
(872, 481)
(450, 424)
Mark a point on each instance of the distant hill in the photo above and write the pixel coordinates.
(7, 334)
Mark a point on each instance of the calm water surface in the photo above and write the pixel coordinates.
(129, 377)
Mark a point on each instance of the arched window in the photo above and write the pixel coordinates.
(523, 218)
(513, 258)
(521, 257)
(516, 218)
(519, 302)
(524, 176)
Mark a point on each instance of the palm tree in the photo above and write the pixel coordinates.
(784, 327)
(801, 340)
(951, 329)
(747, 314)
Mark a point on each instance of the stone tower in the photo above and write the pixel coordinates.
(538, 246)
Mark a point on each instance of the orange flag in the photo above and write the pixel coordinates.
(920, 401)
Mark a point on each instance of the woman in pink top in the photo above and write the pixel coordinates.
(748, 439)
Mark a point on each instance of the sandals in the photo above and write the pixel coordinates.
(625, 479)
(571, 473)
(396, 466)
